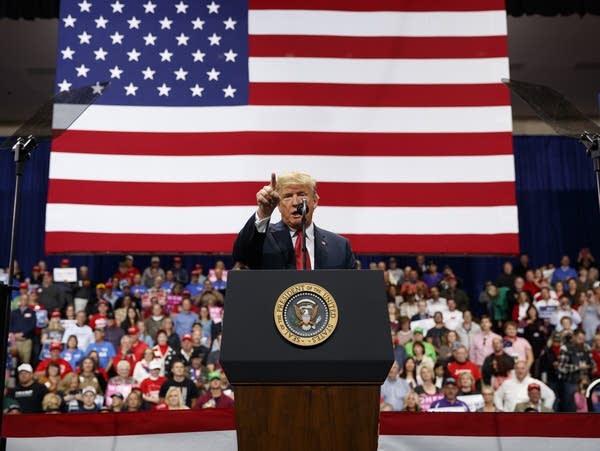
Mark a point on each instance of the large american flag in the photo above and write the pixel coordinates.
(396, 107)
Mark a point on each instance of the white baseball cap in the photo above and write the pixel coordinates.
(25, 367)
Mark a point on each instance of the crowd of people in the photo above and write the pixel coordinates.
(535, 347)
(150, 340)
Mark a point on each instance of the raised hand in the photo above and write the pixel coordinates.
(267, 198)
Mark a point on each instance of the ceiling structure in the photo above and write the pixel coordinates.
(560, 51)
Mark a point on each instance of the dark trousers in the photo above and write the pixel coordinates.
(567, 396)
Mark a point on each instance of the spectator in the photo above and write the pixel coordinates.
(134, 401)
(418, 337)
(422, 311)
(184, 320)
(409, 373)
(461, 364)
(514, 390)
(435, 334)
(51, 403)
(420, 358)
(88, 401)
(530, 285)
(404, 334)
(196, 285)
(53, 333)
(450, 402)
(99, 318)
(427, 385)
(467, 385)
(522, 267)
(106, 351)
(155, 321)
(184, 355)
(162, 351)
(81, 330)
(487, 394)
(453, 318)
(585, 259)
(396, 275)
(64, 366)
(546, 304)
(214, 398)
(458, 294)
(22, 325)
(169, 281)
(574, 362)
(109, 295)
(565, 309)
(137, 346)
(141, 370)
(150, 386)
(534, 404)
(52, 297)
(507, 277)
(394, 388)
(113, 333)
(143, 334)
(172, 338)
(596, 354)
(71, 394)
(204, 318)
(117, 403)
(152, 271)
(409, 307)
(481, 345)
(72, 353)
(411, 403)
(180, 273)
(517, 347)
(174, 399)
(178, 379)
(131, 319)
(138, 289)
(432, 277)
(536, 333)
(468, 329)
(121, 383)
(564, 272)
(519, 312)
(125, 353)
(436, 303)
(50, 377)
(497, 366)
(219, 279)
(28, 393)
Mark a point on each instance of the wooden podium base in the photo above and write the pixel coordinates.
(307, 417)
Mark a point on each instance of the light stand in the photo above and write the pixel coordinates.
(22, 152)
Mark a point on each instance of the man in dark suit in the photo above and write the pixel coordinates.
(261, 245)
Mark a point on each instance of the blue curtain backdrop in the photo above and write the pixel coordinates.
(556, 194)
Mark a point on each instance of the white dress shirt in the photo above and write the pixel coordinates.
(262, 225)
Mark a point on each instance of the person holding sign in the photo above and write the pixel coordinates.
(261, 245)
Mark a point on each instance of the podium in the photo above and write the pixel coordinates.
(306, 353)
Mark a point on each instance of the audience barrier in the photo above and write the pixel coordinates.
(215, 430)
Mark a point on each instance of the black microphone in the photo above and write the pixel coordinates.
(302, 209)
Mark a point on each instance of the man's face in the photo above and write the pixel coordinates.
(438, 318)
(519, 282)
(394, 371)
(88, 398)
(186, 345)
(25, 377)
(422, 306)
(486, 324)
(521, 370)
(215, 383)
(497, 345)
(451, 305)
(579, 338)
(291, 196)
(178, 369)
(508, 268)
(511, 331)
(565, 260)
(460, 355)
(450, 392)
(534, 396)
(80, 318)
(435, 293)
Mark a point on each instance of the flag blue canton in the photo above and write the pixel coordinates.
(168, 53)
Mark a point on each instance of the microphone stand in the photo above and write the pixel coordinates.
(591, 142)
(304, 207)
(22, 150)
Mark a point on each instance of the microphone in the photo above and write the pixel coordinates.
(302, 209)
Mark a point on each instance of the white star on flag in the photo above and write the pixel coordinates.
(69, 21)
(198, 56)
(115, 72)
(148, 73)
(180, 74)
(198, 23)
(229, 91)
(117, 38)
(182, 39)
(230, 56)
(100, 54)
(101, 22)
(134, 23)
(84, 38)
(196, 90)
(181, 8)
(149, 7)
(117, 7)
(163, 90)
(230, 24)
(150, 39)
(67, 54)
(84, 6)
(130, 89)
(165, 55)
(133, 55)
(64, 85)
(97, 88)
(213, 8)
(214, 39)
(165, 24)
(82, 71)
(213, 74)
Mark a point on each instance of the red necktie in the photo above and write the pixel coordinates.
(298, 252)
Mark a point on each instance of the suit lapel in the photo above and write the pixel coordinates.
(283, 241)
(321, 253)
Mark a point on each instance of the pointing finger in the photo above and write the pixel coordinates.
(273, 180)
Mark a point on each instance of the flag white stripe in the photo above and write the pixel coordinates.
(378, 71)
(251, 168)
(380, 23)
(350, 220)
(453, 443)
(286, 118)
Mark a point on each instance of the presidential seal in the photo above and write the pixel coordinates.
(306, 314)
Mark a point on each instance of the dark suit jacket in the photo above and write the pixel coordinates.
(274, 249)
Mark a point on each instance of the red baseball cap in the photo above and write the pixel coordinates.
(133, 331)
(64, 261)
(177, 259)
(186, 337)
(534, 386)
(55, 347)
(55, 314)
(23, 286)
(36, 268)
(196, 272)
(108, 285)
(186, 293)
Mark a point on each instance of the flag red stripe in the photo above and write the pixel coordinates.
(381, 5)
(377, 47)
(490, 425)
(242, 193)
(378, 95)
(75, 242)
(109, 424)
(301, 143)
